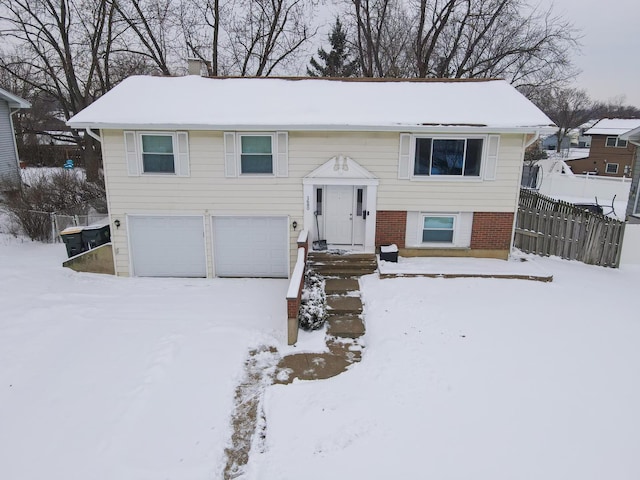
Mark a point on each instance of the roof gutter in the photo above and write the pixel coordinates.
(534, 129)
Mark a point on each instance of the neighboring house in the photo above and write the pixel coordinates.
(610, 154)
(9, 165)
(551, 142)
(217, 177)
(633, 205)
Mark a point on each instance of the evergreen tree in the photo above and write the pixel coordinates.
(336, 62)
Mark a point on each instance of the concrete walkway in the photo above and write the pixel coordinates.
(345, 324)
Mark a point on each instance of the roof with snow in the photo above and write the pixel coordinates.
(198, 103)
(613, 126)
(14, 101)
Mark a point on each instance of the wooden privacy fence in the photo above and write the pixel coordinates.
(545, 226)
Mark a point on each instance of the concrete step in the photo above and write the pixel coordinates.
(345, 326)
(341, 286)
(340, 304)
(324, 256)
(343, 270)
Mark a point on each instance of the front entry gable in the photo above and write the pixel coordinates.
(340, 168)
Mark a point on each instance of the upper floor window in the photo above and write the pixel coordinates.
(448, 156)
(615, 142)
(256, 154)
(157, 153)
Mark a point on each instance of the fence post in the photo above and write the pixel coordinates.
(53, 227)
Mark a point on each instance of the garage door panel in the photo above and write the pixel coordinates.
(167, 246)
(251, 246)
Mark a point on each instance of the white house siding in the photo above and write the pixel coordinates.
(8, 160)
(378, 153)
(207, 192)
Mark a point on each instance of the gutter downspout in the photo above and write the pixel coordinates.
(15, 144)
(93, 135)
(525, 144)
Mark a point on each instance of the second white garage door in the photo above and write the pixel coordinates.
(167, 246)
(251, 246)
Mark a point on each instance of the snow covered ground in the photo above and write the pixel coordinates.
(474, 379)
(116, 378)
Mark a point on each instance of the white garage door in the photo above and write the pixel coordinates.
(167, 246)
(251, 246)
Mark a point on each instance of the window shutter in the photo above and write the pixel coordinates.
(491, 162)
(404, 162)
(230, 164)
(182, 157)
(282, 149)
(131, 152)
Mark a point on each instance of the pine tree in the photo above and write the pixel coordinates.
(336, 62)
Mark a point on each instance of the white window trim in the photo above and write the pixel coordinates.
(606, 169)
(274, 154)
(174, 146)
(617, 142)
(454, 240)
(448, 178)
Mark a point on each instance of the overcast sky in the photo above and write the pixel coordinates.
(610, 46)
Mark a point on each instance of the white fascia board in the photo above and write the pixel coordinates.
(320, 128)
(631, 135)
(13, 100)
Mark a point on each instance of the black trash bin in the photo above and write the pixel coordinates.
(95, 235)
(72, 238)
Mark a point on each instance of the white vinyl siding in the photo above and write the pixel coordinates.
(208, 191)
(8, 160)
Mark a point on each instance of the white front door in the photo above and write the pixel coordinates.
(344, 219)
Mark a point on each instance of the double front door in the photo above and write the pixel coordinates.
(343, 213)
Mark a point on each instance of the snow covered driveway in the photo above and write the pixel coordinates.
(116, 378)
(474, 379)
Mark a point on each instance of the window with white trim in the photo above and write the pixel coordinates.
(438, 229)
(256, 154)
(460, 157)
(615, 142)
(157, 152)
(611, 168)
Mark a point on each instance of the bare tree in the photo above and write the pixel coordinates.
(61, 50)
(463, 39)
(267, 34)
(567, 107)
(382, 37)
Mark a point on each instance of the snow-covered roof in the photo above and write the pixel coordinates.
(194, 102)
(14, 101)
(613, 126)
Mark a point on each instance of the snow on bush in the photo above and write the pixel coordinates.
(313, 305)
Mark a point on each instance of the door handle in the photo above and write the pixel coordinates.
(365, 214)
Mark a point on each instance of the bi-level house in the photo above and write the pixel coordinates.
(218, 176)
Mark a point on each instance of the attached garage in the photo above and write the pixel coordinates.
(251, 246)
(167, 246)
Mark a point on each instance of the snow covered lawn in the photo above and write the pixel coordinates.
(474, 379)
(116, 378)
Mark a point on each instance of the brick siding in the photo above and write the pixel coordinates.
(391, 227)
(491, 230)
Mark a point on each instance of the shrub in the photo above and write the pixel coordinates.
(66, 192)
(313, 307)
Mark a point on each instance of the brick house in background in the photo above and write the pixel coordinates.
(216, 177)
(610, 155)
